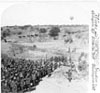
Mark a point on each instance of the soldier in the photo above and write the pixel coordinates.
(49, 71)
(13, 86)
(37, 76)
(22, 83)
(33, 77)
(18, 85)
(4, 87)
(55, 65)
(43, 71)
(51, 66)
(21, 75)
(27, 83)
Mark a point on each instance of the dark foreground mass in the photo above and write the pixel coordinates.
(20, 75)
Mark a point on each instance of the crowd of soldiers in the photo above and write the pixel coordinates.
(20, 75)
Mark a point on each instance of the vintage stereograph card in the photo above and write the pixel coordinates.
(50, 47)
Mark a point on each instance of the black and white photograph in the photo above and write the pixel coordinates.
(45, 48)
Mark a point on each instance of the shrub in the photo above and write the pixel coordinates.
(43, 30)
(6, 33)
(54, 32)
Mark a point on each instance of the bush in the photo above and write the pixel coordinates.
(19, 33)
(6, 33)
(43, 30)
(54, 32)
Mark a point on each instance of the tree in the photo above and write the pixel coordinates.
(54, 32)
(19, 33)
(43, 30)
(6, 33)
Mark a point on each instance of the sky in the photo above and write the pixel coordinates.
(54, 13)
